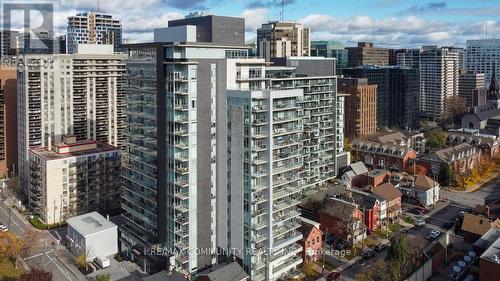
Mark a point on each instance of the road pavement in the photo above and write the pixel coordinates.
(489, 192)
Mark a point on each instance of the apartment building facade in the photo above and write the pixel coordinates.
(73, 178)
(471, 88)
(360, 106)
(439, 71)
(408, 58)
(366, 54)
(80, 94)
(331, 49)
(93, 28)
(283, 39)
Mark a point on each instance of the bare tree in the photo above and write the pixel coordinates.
(455, 106)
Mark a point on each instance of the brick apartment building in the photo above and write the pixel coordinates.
(383, 156)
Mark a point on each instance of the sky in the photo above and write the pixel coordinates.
(388, 23)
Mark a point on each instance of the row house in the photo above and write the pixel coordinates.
(420, 187)
(312, 239)
(392, 196)
(462, 157)
(489, 145)
(383, 156)
(415, 140)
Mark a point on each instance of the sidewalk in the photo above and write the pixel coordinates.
(475, 187)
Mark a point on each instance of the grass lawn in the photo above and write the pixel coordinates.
(8, 271)
(328, 266)
(371, 241)
(394, 227)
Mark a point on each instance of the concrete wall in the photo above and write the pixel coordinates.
(102, 244)
(423, 273)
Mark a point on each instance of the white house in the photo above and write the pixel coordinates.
(92, 235)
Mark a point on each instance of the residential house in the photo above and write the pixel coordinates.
(488, 144)
(392, 196)
(461, 157)
(341, 219)
(312, 241)
(354, 175)
(382, 156)
(377, 177)
(474, 226)
(415, 140)
(369, 204)
(423, 188)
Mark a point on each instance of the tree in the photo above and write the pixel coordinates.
(446, 175)
(81, 261)
(10, 246)
(417, 170)
(31, 241)
(455, 106)
(436, 138)
(103, 277)
(36, 274)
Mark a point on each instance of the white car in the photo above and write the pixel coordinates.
(419, 223)
(433, 234)
(102, 262)
(3, 228)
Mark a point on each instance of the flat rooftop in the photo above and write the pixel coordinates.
(90, 223)
(52, 155)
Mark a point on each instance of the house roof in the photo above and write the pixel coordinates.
(458, 151)
(387, 191)
(488, 238)
(486, 111)
(395, 138)
(90, 223)
(476, 224)
(337, 208)
(424, 182)
(224, 272)
(364, 199)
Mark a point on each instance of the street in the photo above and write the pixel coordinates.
(44, 251)
(487, 193)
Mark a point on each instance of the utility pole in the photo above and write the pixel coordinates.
(324, 252)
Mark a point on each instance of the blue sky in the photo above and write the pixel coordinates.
(390, 23)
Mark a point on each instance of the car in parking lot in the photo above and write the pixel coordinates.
(433, 234)
(418, 210)
(368, 254)
(3, 228)
(380, 247)
(448, 224)
(419, 222)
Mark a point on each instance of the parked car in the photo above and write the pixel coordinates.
(3, 228)
(333, 276)
(418, 211)
(368, 254)
(448, 224)
(380, 247)
(102, 262)
(462, 213)
(419, 223)
(433, 234)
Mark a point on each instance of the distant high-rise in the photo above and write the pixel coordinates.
(439, 71)
(366, 54)
(80, 94)
(360, 106)
(331, 49)
(283, 39)
(398, 92)
(93, 28)
(482, 56)
(8, 120)
(61, 44)
(471, 87)
(10, 43)
(408, 58)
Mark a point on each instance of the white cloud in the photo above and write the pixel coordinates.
(254, 18)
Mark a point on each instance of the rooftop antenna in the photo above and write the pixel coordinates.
(282, 12)
(486, 30)
(98, 5)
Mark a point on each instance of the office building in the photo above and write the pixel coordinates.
(169, 181)
(360, 106)
(366, 54)
(73, 178)
(482, 56)
(331, 49)
(461, 57)
(93, 28)
(409, 58)
(471, 87)
(61, 44)
(10, 43)
(80, 94)
(439, 73)
(8, 120)
(398, 92)
(393, 55)
(283, 39)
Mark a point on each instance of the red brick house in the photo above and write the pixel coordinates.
(370, 206)
(392, 196)
(312, 240)
(382, 156)
(462, 157)
(341, 219)
(377, 177)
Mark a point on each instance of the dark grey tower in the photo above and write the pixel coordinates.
(494, 90)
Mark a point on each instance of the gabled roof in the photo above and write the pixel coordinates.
(387, 191)
(338, 209)
(424, 182)
(395, 138)
(364, 199)
(225, 272)
(458, 151)
(476, 224)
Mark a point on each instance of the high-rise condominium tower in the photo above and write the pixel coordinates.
(80, 94)
(366, 54)
(283, 39)
(439, 70)
(482, 56)
(93, 28)
(471, 87)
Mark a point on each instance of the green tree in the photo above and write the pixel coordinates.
(446, 175)
(436, 138)
(103, 277)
